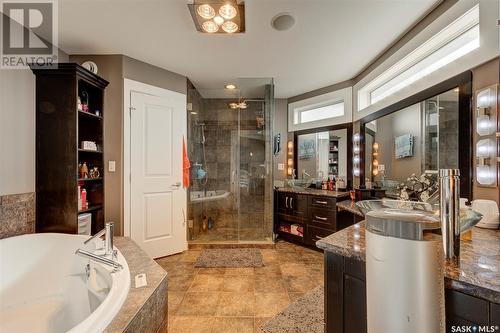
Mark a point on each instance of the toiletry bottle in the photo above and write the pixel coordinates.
(83, 199)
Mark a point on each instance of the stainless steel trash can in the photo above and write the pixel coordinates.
(404, 272)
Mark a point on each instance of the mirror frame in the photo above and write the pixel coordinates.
(464, 83)
(348, 126)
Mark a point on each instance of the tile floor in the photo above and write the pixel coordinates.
(237, 299)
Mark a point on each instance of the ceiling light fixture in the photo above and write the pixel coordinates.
(228, 15)
(206, 11)
(228, 12)
(230, 86)
(210, 27)
(229, 27)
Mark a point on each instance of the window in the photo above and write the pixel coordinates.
(451, 43)
(319, 113)
(322, 110)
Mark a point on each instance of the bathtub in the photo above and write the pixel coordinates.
(45, 287)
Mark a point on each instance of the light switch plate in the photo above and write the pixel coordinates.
(281, 166)
(112, 166)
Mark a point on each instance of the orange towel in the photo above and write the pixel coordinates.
(185, 165)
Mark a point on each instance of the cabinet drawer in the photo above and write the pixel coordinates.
(472, 309)
(314, 234)
(323, 202)
(323, 218)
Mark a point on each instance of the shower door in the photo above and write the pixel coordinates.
(230, 153)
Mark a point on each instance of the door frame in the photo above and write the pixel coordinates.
(130, 86)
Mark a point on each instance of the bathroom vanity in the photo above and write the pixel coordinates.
(472, 294)
(315, 211)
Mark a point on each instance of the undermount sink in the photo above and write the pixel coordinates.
(468, 217)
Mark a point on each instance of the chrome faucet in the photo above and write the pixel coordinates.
(108, 239)
(109, 253)
(449, 211)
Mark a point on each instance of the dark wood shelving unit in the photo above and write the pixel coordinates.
(60, 129)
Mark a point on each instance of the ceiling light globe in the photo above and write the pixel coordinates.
(230, 86)
(210, 27)
(206, 11)
(228, 11)
(218, 20)
(229, 27)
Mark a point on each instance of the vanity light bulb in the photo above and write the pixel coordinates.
(356, 149)
(356, 137)
(375, 172)
(375, 163)
(484, 125)
(356, 159)
(484, 175)
(290, 144)
(375, 145)
(290, 161)
(356, 172)
(485, 98)
(485, 148)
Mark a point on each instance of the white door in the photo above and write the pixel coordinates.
(157, 198)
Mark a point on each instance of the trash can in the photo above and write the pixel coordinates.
(404, 272)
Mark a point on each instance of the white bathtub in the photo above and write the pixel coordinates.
(44, 286)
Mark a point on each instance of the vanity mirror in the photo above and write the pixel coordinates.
(325, 151)
(421, 134)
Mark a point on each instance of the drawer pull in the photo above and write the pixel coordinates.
(322, 202)
(291, 200)
(321, 218)
(286, 202)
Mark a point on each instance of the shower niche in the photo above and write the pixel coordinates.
(230, 151)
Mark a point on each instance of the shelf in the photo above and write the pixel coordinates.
(90, 151)
(89, 179)
(90, 115)
(90, 209)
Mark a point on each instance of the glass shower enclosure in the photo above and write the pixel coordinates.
(230, 150)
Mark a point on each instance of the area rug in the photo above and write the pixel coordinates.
(231, 258)
(306, 315)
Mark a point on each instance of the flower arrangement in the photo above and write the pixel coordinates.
(419, 188)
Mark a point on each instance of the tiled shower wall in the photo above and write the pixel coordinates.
(17, 214)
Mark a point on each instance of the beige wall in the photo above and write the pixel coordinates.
(17, 129)
(484, 76)
(115, 68)
(281, 127)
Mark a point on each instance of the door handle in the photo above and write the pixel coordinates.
(176, 186)
(320, 218)
(286, 202)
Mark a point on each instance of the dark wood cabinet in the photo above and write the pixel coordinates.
(345, 300)
(317, 215)
(60, 129)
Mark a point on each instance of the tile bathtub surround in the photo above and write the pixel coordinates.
(238, 299)
(17, 214)
(146, 308)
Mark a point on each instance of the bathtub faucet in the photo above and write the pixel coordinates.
(100, 259)
(108, 239)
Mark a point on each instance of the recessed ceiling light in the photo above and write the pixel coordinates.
(230, 86)
(283, 21)
(229, 27)
(206, 11)
(194, 113)
(210, 27)
(227, 11)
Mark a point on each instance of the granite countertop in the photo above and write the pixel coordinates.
(132, 310)
(349, 206)
(313, 191)
(477, 273)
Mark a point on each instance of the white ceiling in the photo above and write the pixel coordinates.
(331, 41)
